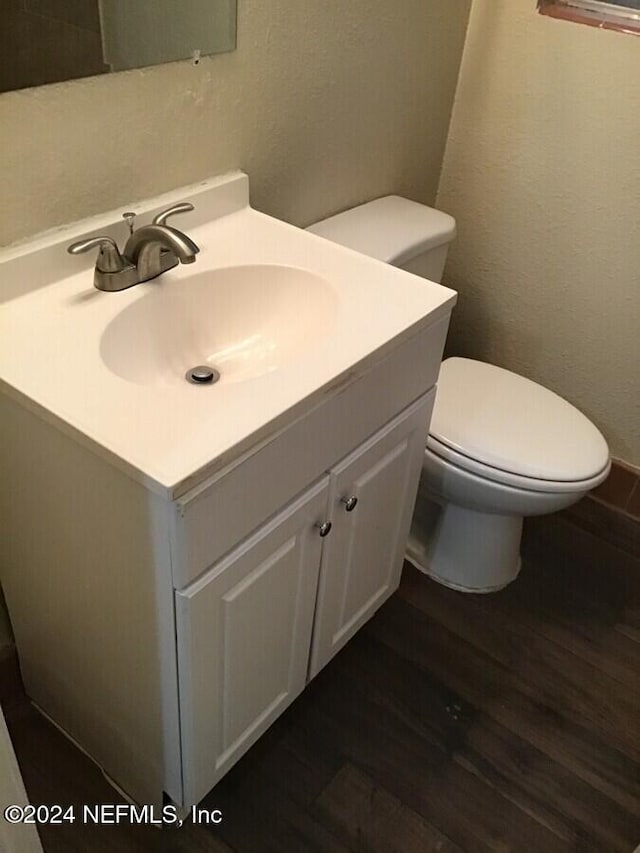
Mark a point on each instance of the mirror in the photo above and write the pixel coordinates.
(47, 41)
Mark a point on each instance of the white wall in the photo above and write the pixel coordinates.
(542, 172)
(323, 104)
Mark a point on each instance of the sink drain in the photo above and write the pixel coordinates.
(202, 375)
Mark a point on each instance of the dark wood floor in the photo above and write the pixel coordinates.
(508, 722)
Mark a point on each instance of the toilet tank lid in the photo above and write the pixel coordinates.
(391, 229)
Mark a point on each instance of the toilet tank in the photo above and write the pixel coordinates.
(394, 230)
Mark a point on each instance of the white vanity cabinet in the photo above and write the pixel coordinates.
(203, 615)
(372, 496)
(245, 628)
(243, 633)
(169, 591)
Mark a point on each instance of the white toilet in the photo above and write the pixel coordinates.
(500, 446)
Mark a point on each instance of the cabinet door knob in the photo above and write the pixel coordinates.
(324, 528)
(350, 503)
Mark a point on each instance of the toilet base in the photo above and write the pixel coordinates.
(464, 549)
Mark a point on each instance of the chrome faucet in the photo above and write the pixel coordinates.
(149, 251)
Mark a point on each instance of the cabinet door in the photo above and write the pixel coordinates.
(362, 558)
(244, 634)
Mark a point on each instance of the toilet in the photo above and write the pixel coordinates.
(500, 446)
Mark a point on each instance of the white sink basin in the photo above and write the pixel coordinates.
(287, 317)
(244, 321)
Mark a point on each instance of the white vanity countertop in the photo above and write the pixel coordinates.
(171, 437)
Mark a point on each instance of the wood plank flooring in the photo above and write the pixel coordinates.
(507, 723)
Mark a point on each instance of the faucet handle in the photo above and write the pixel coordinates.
(182, 207)
(109, 257)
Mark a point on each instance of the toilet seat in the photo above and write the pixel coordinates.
(507, 478)
(510, 430)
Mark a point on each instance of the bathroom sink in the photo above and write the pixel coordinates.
(243, 321)
(287, 318)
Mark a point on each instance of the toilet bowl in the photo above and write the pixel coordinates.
(500, 446)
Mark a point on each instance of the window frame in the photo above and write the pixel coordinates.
(596, 13)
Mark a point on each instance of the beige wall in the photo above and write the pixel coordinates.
(542, 172)
(323, 104)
